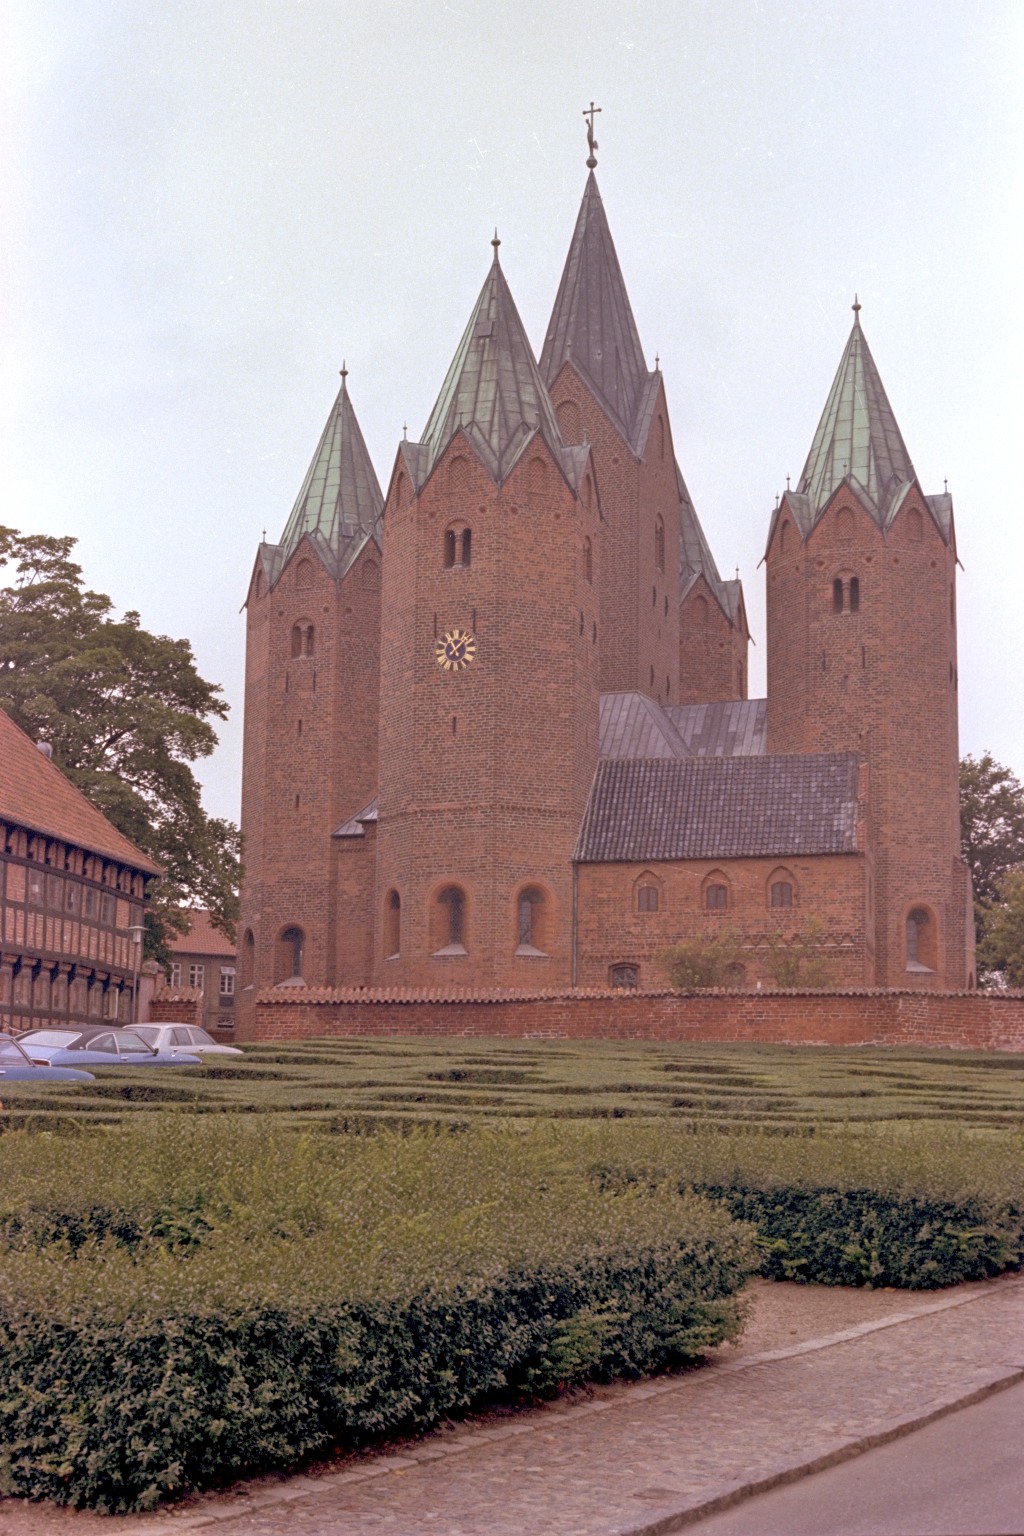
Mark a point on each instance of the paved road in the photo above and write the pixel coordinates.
(960, 1476)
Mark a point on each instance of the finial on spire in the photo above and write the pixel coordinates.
(344, 370)
(264, 536)
(787, 482)
(405, 431)
(495, 242)
(657, 362)
(737, 573)
(855, 306)
(776, 501)
(589, 113)
(945, 485)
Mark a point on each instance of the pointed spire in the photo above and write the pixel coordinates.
(493, 389)
(857, 437)
(340, 500)
(592, 321)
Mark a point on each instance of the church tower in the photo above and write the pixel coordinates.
(490, 638)
(671, 627)
(861, 617)
(311, 719)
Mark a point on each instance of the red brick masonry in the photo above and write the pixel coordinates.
(991, 1021)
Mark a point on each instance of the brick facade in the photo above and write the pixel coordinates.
(403, 821)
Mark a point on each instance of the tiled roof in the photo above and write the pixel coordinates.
(35, 794)
(721, 807)
(340, 502)
(592, 323)
(734, 728)
(493, 390)
(201, 938)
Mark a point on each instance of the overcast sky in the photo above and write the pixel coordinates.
(209, 204)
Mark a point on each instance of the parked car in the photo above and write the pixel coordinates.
(184, 1037)
(17, 1067)
(98, 1045)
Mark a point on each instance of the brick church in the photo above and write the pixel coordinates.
(497, 732)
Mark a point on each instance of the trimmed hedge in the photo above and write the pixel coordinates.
(325, 1294)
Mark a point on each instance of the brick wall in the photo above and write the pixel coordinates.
(712, 650)
(947, 1020)
(177, 1005)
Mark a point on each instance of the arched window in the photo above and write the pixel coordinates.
(288, 954)
(783, 538)
(921, 940)
(716, 893)
(659, 543)
(400, 490)
(530, 922)
(538, 480)
(458, 546)
(458, 473)
(661, 437)
(837, 595)
(854, 594)
(304, 575)
(302, 639)
(780, 892)
(624, 976)
(844, 525)
(700, 610)
(915, 525)
(569, 422)
(648, 897)
(588, 561)
(392, 926)
(451, 908)
(248, 958)
(260, 584)
(371, 576)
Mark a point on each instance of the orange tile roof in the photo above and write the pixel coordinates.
(35, 794)
(201, 937)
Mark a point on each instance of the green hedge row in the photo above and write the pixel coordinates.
(239, 1303)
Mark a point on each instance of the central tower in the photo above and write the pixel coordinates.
(489, 675)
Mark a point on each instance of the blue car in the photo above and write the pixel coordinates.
(16, 1067)
(98, 1045)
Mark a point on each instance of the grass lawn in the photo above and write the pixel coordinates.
(349, 1085)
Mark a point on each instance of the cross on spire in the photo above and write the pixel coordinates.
(589, 112)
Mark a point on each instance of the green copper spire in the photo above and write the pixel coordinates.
(857, 438)
(340, 502)
(493, 390)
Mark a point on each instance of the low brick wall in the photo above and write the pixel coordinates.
(176, 1005)
(991, 1021)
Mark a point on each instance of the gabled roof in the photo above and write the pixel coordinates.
(857, 440)
(592, 323)
(339, 505)
(632, 725)
(35, 794)
(493, 390)
(645, 809)
(201, 937)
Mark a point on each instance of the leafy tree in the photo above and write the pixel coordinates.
(711, 961)
(1001, 947)
(991, 823)
(126, 714)
(796, 960)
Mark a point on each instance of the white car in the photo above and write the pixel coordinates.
(184, 1037)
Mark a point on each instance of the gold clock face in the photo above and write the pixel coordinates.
(455, 652)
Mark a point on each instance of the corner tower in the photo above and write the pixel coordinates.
(311, 721)
(861, 619)
(654, 550)
(489, 674)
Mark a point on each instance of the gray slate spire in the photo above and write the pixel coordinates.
(592, 323)
(340, 502)
(857, 439)
(493, 390)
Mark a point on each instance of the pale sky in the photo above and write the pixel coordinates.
(208, 205)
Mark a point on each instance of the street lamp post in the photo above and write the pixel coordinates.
(136, 930)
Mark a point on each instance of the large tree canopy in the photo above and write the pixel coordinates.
(126, 713)
(991, 823)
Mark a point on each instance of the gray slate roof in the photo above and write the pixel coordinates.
(644, 809)
(731, 728)
(592, 323)
(493, 391)
(696, 559)
(340, 502)
(355, 824)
